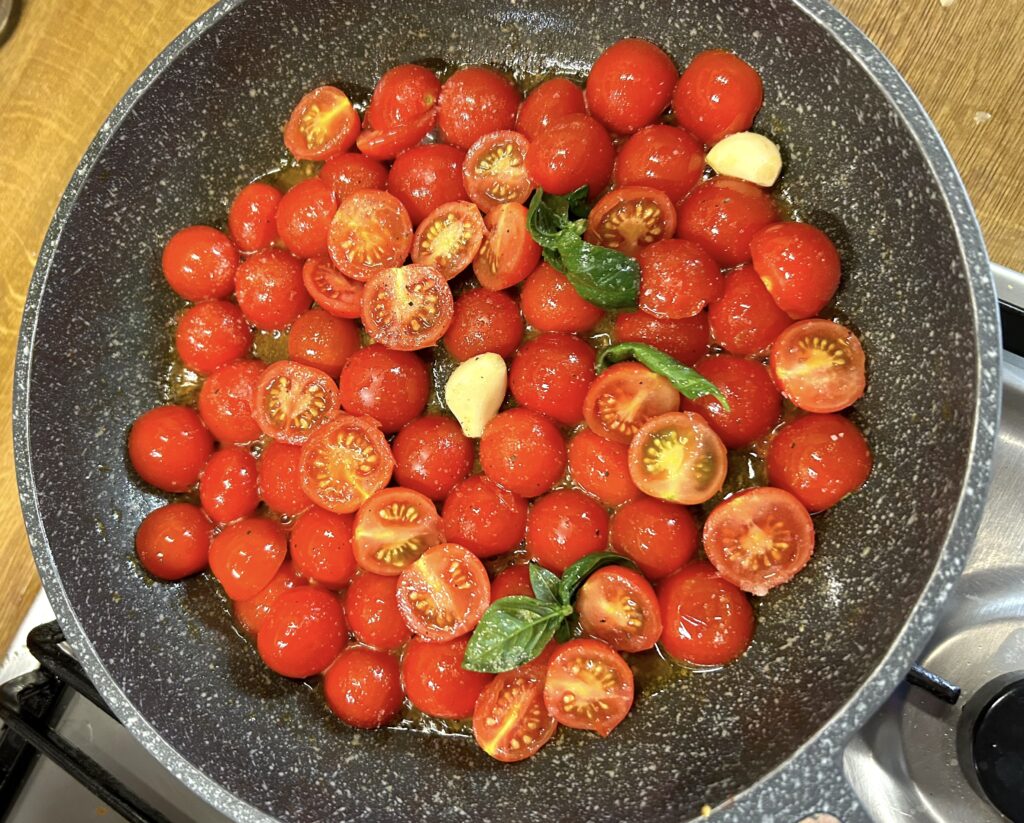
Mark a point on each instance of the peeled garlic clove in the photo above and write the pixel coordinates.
(748, 156)
(475, 392)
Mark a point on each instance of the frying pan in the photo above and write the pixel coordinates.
(761, 739)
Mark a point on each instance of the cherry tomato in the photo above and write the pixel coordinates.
(444, 594)
(510, 720)
(387, 144)
(588, 686)
(304, 631)
(280, 479)
(509, 253)
(424, 178)
(321, 547)
(251, 612)
(745, 320)
(722, 215)
(630, 85)
(449, 238)
(563, 527)
(686, 340)
(293, 400)
(754, 404)
(173, 542)
(656, 535)
(211, 334)
(333, 292)
(304, 218)
(707, 620)
(573, 151)
(494, 171)
(407, 308)
(798, 265)
(618, 605)
(389, 386)
(476, 101)
(225, 401)
(549, 102)
(345, 462)
(393, 528)
(432, 455)
(601, 467)
(269, 289)
(199, 263)
(245, 556)
(677, 279)
(550, 303)
(168, 447)
(227, 486)
(551, 374)
(484, 321)
(403, 93)
(485, 518)
(321, 341)
(630, 218)
(252, 217)
(515, 580)
(819, 365)
(371, 232)
(350, 172)
(364, 688)
(678, 457)
(435, 681)
(819, 458)
(717, 94)
(523, 451)
(624, 397)
(371, 609)
(662, 157)
(323, 124)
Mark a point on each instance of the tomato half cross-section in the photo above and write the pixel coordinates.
(588, 686)
(293, 400)
(494, 171)
(678, 457)
(624, 397)
(345, 462)
(323, 124)
(407, 308)
(819, 365)
(510, 721)
(630, 218)
(449, 238)
(618, 605)
(444, 594)
(393, 528)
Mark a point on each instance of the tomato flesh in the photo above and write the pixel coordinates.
(588, 686)
(509, 253)
(393, 528)
(449, 238)
(624, 397)
(679, 458)
(444, 593)
(819, 366)
(495, 170)
(333, 292)
(345, 462)
(618, 605)
(510, 720)
(292, 401)
(323, 124)
(407, 308)
(630, 218)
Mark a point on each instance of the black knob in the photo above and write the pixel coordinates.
(997, 748)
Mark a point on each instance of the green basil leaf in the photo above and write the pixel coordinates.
(544, 583)
(513, 631)
(579, 571)
(689, 382)
(564, 632)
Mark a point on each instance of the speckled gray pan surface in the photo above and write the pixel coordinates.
(862, 161)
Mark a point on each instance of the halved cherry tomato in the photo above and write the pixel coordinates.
(252, 217)
(758, 539)
(225, 401)
(333, 292)
(432, 455)
(168, 447)
(426, 177)
(512, 581)
(484, 321)
(304, 218)
(245, 556)
(476, 101)
(403, 93)
(485, 518)
(798, 265)
(211, 334)
(292, 401)
(449, 238)
(754, 405)
(564, 526)
(494, 171)
(228, 487)
(252, 611)
(393, 528)
(624, 397)
(199, 263)
(656, 535)
(745, 320)
(269, 289)
(387, 144)
(550, 303)
(321, 547)
(819, 365)
(717, 94)
(364, 688)
(435, 681)
(320, 340)
(552, 374)
(323, 124)
(371, 232)
(523, 451)
(630, 84)
(280, 479)
(588, 686)
(686, 340)
(630, 218)
(618, 605)
(722, 215)
(677, 279)
(349, 172)
(345, 462)
(173, 541)
(678, 457)
(407, 308)
(601, 467)
(304, 630)
(510, 720)
(390, 386)
(571, 152)
(549, 102)
(444, 593)
(662, 157)
(509, 253)
(371, 610)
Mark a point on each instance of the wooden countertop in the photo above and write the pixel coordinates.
(66, 64)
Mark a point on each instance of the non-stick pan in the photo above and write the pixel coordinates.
(759, 740)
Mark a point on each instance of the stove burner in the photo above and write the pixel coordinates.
(992, 743)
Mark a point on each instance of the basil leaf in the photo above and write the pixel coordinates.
(544, 583)
(513, 631)
(564, 632)
(689, 382)
(579, 571)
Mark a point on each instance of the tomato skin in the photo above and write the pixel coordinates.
(601, 467)
(393, 528)
(576, 671)
(371, 231)
(322, 341)
(819, 458)
(403, 93)
(435, 681)
(677, 279)
(494, 171)
(304, 218)
(707, 620)
(509, 253)
(514, 580)
(662, 157)
(173, 542)
(349, 172)
(755, 405)
(321, 547)
(618, 605)
(476, 101)
(484, 321)
(745, 319)
(245, 556)
(371, 609)
(571, 152)
(485, 518)
(321, 125)
(550, 303)
(424, 178)
(333, 292)
(717, 94)
(389, 386)
(630, 218)
(547, 103)
(280, 479)
(225, 401)
(363, 687)
(269, 289)
(630, 84)
(686, 340)
(252, 218)
(199, 263)
(723, 215)
(798, 265)
(168, 447)
(523, 451)
(510, 720)
(304, 630)
(658, 460)
(251, 612)
(387, 144)
(624, 397)
(444, 593)
(656, 535)
(551, 375)
(818, 365)
(345, 462)
(432, 455)
(564, 526)
(211, 334)
(449, 238)
(227, 486)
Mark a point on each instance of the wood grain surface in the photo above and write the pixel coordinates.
(67, 63)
